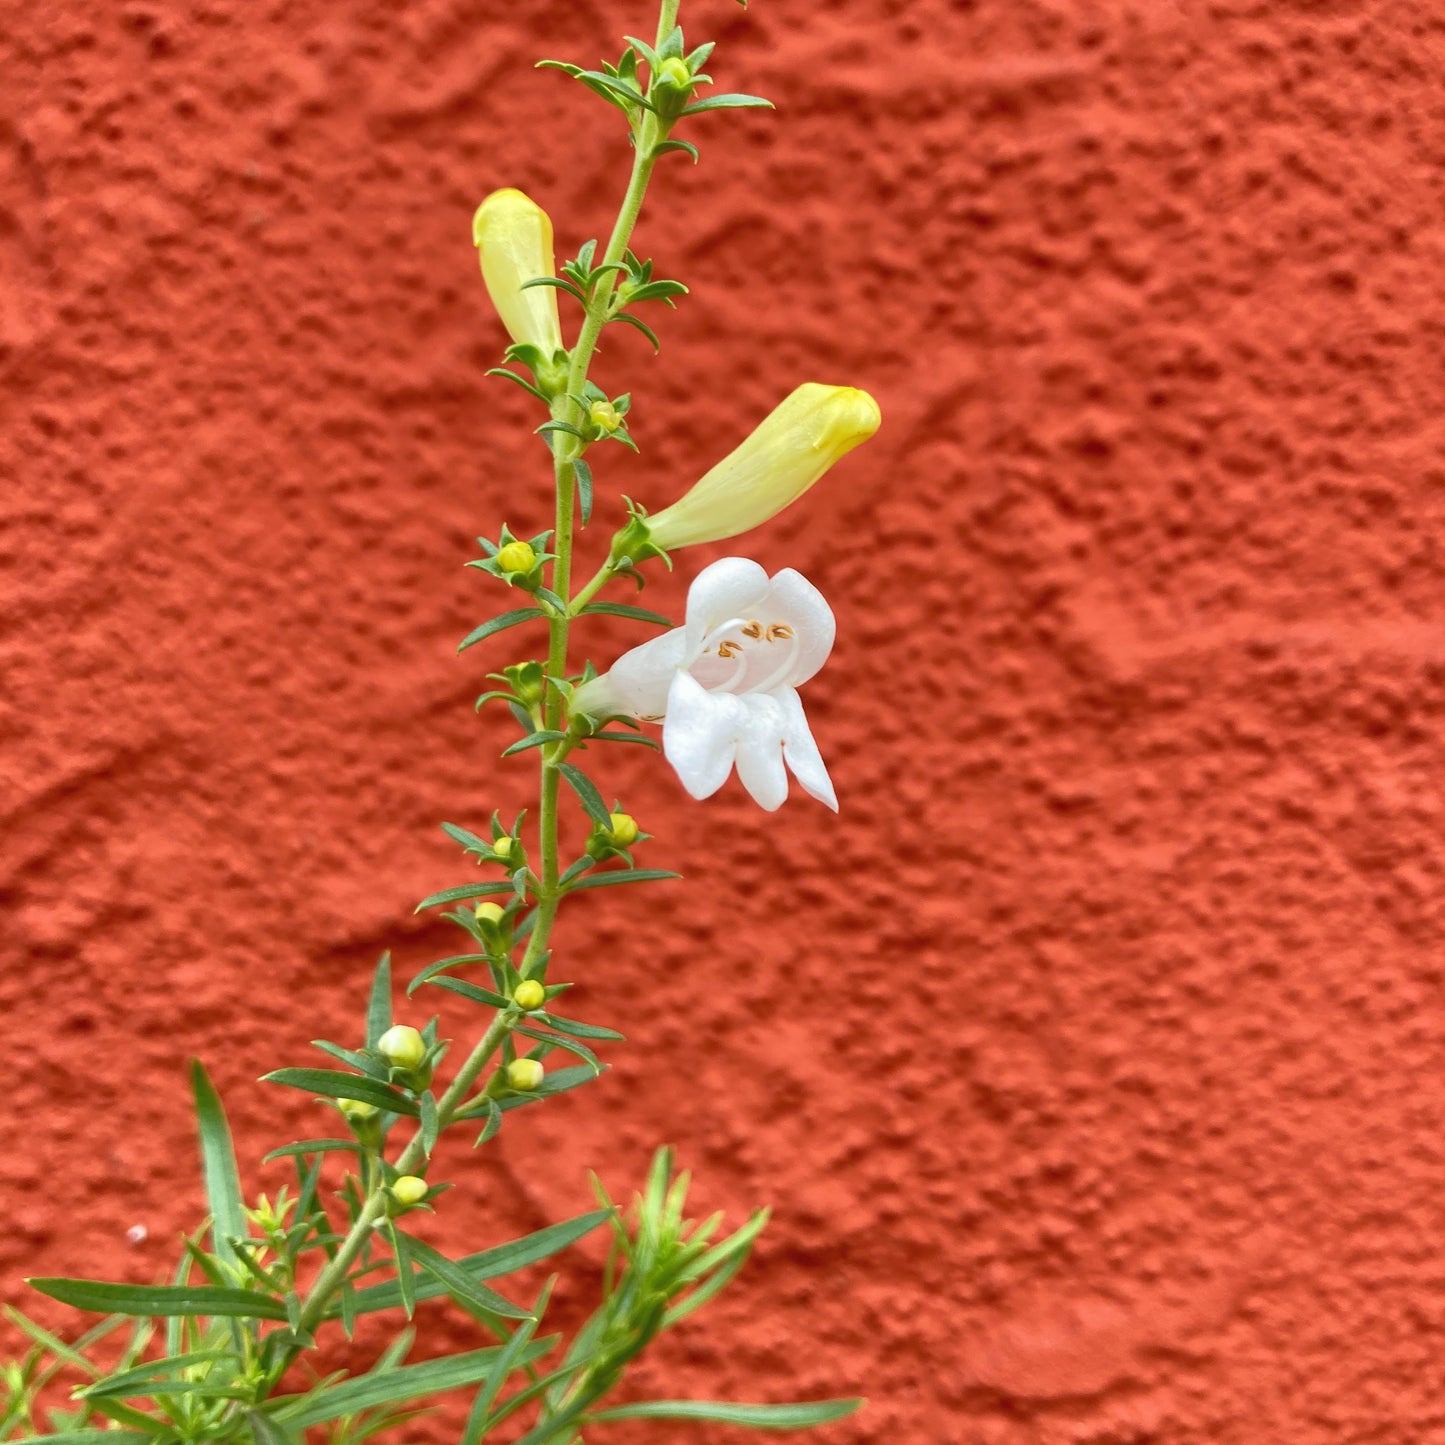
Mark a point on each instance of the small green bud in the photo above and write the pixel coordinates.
(528, 681)
(529, 994)
(402, 1046)
(489, 912)
(516, 558)
(624, 829)
(358, 1111)
(604, 416)
(502, 847)
(409, 1190)
(524, 1075)
(674, 72)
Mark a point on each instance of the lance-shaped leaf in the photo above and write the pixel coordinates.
(218, 1164)
(335, 1085)
(159, 1299)
(755, 1417)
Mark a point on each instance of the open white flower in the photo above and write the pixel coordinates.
(724, 685)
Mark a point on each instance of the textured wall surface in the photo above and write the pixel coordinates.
(1092, 1057)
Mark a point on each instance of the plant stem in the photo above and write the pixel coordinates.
(334, 1275)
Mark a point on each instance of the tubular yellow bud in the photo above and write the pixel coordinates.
(603, 414)
(624, 829)
(529, 994)
(784, 456)
(514, 236)
(516, 557)
(409, 1190)
(402, 1046)
(489, 912)
(525, 1074)
(502, 847)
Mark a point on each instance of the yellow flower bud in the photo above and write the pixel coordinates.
(675, 72)
(529, 994)
(489, 912)
(517, 558)
(603, 414)
(525, 1074)
(409, 1190)
(502, 847)
(624, 829)
(514, 236)
(357, 1111)
(402, 1046)
(784, 456)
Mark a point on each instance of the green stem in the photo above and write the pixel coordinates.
(649, 133)
(331, 1278)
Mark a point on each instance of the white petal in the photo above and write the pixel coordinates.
(794, 600)
(636, 684)
(700, 735)
(760, 753)
(801, 751)
(729, 587)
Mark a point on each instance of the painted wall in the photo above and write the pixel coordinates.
(1092, 1058)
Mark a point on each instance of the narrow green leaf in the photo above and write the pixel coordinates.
(588, 795)
(382, 1387)
(431, 1126)
(583, 472)
(557, 283)
(461, 1285)
(558, 1041)
(498, 624)
(579, 1030)
(611, 737)
(336, 1085)
(520, 380)
(462, 894)
(729, 102)
(441, 966)
(265, 1431)
(476, 1426)
(405, 1270)
(492, 1127)
(218, 1164)
(641, 326)
(463, 989)
(756, 1417)
(624, 609)
(159, 1299)
(672, 145)
(378, 1005)
(537, 739)
(125, 1381)
(491, 1263)
(623, 875)
(314, 1146)
(100, 1437)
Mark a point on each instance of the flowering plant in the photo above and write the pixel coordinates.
(228, 1348)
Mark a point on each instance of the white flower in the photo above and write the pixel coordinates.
(724, 685)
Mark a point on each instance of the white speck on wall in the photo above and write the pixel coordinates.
(137, 1233)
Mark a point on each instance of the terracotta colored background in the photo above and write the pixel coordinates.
(1092, 1058)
